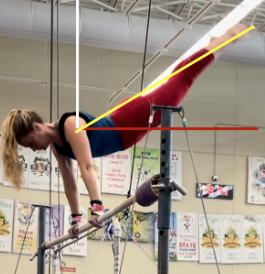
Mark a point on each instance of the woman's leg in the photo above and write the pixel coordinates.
(137, 112)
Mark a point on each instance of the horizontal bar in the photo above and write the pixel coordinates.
(171, 128)
(128, 202)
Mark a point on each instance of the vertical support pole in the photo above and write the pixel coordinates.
(42, 232)
(116, 244)
(164, 196)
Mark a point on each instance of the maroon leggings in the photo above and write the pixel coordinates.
(137, 112)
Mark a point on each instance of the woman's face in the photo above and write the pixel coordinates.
(36, 139)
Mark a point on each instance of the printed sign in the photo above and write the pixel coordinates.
(40, 169)
(25, 227)
(187, 237)
(116, 171)
(6, 224)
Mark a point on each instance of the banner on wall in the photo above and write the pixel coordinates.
(1, 164)
(187, 237)
(78, 248)
(176, 173)
(6, 224)
(150, 167)
(172, 256)
(126, 225)
(116, 171)
(54, 222)
(256, 180)
(97, 162)
(57, 180)
(209, 237)
(22, 220)
(253, 239)
(23, 155)
(143, 226)
(40, 169)
(231, 244)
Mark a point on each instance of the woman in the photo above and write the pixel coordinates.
(27, 129)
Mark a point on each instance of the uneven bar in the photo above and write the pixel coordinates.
(84, 228)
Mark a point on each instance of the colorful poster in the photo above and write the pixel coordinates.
(6, 224)
(78, 248)
(143, 226)
(176, 173)
(124, 219)
(97, 162)
(150, 167)
(256, 180)
(231, 240)
(1, 164)
(172, 256)
(187, 237)
(253, 239)
(24, 219)
(209, 238)
(116, 172)
(23, 155)
(54, 222)
(40, 169)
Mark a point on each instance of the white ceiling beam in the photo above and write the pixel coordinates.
(104, 5)
(122, 5)
(160, 5)
(190, 10)
(207, 17)
(170, 13)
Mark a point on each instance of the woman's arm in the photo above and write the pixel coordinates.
(81, 149)
(66, 167)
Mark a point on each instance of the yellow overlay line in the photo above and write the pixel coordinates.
(164, 79)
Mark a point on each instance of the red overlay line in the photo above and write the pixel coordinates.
(171, 128)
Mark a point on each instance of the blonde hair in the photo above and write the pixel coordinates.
(18, 123)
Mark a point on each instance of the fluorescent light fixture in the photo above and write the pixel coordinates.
(230, 20)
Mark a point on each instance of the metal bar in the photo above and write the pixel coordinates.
(211, 11)
(155, 56)
(164, 196)
(222, 15)
(200, 13)
(42, 233)
(160, 5)
(104, 5)
(168, 12)
(128, 202)
(116, 244)
(133, 4)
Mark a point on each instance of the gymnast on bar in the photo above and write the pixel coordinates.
(28, 129)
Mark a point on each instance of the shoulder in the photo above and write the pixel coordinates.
(70, 123)
(70, 128)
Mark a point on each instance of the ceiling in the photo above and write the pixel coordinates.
(180, 10)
